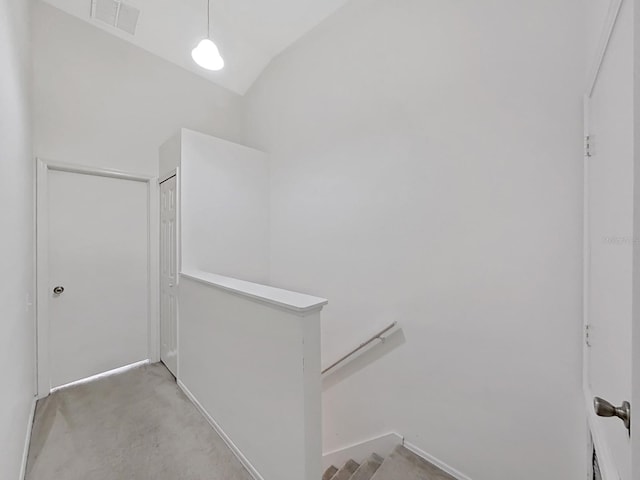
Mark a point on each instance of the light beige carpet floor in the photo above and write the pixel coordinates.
(134, 426)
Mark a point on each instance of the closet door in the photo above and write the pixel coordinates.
(168, 275)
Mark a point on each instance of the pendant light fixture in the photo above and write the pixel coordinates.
(206, 53)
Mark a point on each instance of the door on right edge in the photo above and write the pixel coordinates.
(609, 233)
(168, 275)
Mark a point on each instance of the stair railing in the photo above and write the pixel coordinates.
(380, 336)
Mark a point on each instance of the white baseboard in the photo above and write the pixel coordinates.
(382, 445)
(441, 465)
(232, 446)
(27, 440)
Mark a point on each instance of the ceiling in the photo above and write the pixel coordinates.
(249, 33)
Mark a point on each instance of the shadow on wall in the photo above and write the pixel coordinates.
(391, 342)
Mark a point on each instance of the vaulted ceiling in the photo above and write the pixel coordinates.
(249, 33)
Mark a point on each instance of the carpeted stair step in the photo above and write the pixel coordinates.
(331, 471)
(405, 465)
(346, 471)
(368, 468)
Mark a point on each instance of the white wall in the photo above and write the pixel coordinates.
(250, 355)
(426, 168)
(102, 101)
(17, 340)
(224, 207)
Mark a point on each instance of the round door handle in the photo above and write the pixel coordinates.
(58, 290)
(606, 409)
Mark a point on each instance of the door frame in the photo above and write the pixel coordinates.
(42, 260)
(596, 439)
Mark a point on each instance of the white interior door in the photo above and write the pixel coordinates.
(168, 275)
(98, 253)
(609, 237)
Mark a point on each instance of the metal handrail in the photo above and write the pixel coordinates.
(377, 336)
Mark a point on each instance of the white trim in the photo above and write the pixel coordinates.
(27, 440)
(586, 252)
(586, 282)
(34, 282)
(42, 275)
(597, 438)
(383, 445)
(296, 302)
(431, 459)
(42, 260)
(605, 39)
(153, 270)
(232, 446)
(99, 376)
(97, 171)
(178, 174)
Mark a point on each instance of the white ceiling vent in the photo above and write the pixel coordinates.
(116, 14)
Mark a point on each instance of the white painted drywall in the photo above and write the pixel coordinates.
(170, 155)
(103, 102)
(224, 207)
(249, 33)
(426, 167)
(254, 367)
(17, 332)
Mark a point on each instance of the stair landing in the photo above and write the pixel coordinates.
(403, 464)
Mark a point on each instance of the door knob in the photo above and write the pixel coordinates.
(58, 290)
(606, 409)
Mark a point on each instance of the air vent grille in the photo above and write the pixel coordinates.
(116, 14)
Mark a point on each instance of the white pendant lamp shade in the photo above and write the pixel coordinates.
(207, 55)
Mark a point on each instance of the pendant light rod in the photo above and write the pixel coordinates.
(206, 53)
